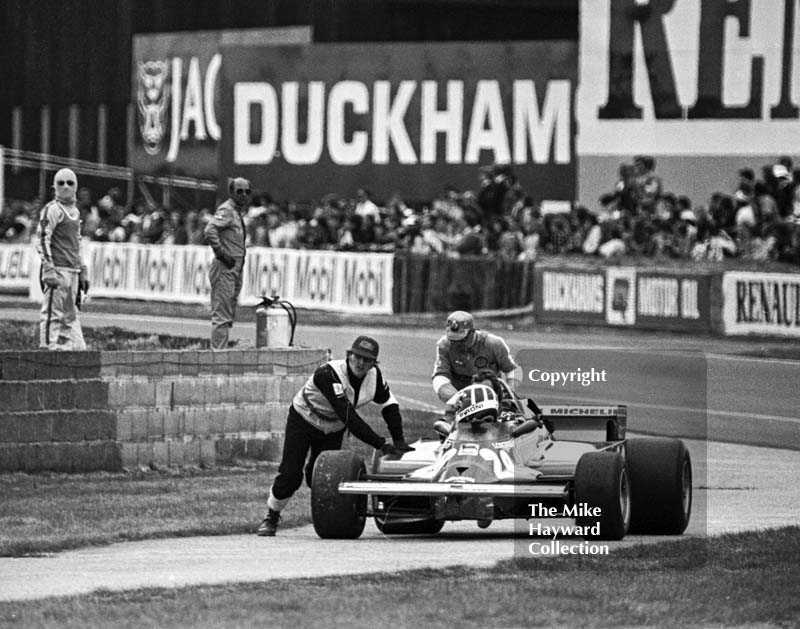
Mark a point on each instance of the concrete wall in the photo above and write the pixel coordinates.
(83, 411)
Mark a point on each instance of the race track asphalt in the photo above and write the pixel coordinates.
(741, 488)
(738, 486)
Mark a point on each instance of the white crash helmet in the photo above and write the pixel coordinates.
(477, 402)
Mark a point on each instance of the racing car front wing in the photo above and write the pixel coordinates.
(453, 489)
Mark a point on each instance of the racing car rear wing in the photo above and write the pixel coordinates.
(595, 423)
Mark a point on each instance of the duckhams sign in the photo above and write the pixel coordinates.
(408, 118)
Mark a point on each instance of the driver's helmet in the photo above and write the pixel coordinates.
(476, 403)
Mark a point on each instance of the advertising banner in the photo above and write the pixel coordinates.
(623, 296)
(569, 296)
(16, 266)
(321, 280)
(302, 122)
(176, 96)
(175, 273)
(706, 87)
(761, 303)
(673, 301)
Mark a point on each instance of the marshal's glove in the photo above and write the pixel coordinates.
(83, 282)
(401, 446)
(50, 276)
(388, 448)
(226, 259)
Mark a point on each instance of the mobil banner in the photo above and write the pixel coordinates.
(322, 280)
(302, 122)
(174, 273)
(761, 303)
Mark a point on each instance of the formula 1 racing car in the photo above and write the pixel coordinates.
(504, 457)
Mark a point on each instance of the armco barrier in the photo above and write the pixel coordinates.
(84, 411)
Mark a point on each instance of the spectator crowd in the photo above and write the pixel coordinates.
(759, 220)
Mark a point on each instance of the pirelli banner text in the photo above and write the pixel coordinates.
(321, 280)
(302, 122)
(623, 296)
(16, 262)
(761, 303)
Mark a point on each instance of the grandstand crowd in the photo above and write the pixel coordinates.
(759, 220)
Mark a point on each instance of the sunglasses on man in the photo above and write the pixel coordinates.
(65, 183)
(242, 190)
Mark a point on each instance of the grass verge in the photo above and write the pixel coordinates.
(48, 512)
(748, 579)
(19, 335)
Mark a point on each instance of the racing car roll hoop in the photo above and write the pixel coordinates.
(574, 458)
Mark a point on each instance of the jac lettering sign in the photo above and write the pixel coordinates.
(682, 77)
(761, 303)
(407, 118)
(176, 97)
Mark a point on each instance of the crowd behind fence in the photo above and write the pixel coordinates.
(758, 221)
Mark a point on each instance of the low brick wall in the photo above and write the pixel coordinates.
(83, 411)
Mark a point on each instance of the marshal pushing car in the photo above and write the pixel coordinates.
(502, 457)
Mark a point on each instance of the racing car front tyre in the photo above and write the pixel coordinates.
(337, 516)
(601, 481)
(418, 527)
(661, 485)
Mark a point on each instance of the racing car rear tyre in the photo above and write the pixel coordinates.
(419, 527)
(661, 485)
(337, 516)
(601, 480)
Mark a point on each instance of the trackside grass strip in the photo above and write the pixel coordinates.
(44, 512)
(746, 579)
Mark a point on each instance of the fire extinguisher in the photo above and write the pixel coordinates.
(265, 311)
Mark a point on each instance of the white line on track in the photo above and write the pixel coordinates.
(656, 407)
(683, 409)
(426, 332)
(424, 405)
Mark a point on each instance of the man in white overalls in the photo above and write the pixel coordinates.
(63, 274)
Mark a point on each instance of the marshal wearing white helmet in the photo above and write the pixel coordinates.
(464, 351)
(64, 276)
